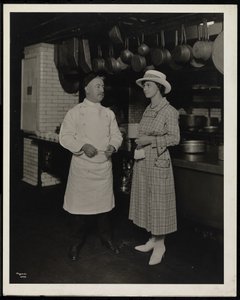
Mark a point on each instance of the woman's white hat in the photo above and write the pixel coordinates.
(155, 76)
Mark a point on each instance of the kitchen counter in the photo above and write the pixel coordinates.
(207, 162)
(53, 159)
(199, 186)
(53, 140)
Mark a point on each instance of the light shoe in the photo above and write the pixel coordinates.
(146, 247)
(158, 253)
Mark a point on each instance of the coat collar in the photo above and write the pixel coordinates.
(162, 104)
(88, 103)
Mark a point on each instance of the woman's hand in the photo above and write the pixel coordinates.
(144, 140)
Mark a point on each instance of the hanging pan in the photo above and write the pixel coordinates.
(172, 63)
(126, 54)
(69, 83)
(143, 49)
(85, 56)
(181, 53)
(157, 54)
(112, 65)
(138, 61)
(98, 64)
(194, 62)
(203, 49)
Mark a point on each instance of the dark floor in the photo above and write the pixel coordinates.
(40, 240)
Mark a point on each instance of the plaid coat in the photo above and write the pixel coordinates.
(152, 204)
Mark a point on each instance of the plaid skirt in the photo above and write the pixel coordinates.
(152, 203)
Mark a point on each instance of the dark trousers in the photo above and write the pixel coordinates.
(80, 225)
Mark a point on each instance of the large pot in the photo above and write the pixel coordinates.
(192, 121)
(193, 146)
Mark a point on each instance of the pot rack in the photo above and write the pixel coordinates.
(56, 27)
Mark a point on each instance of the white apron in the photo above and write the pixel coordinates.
(89, 188)
(90, 184)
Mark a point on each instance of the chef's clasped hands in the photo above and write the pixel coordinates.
(91, 151)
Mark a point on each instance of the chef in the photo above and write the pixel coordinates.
(90, 131)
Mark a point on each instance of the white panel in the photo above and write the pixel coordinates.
(29, 95)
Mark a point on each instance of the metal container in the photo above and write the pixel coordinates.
(192, 121)
(210, 129)
(220, 152)
(194, 157)
(193, 146)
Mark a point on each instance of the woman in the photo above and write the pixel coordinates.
(152, 204)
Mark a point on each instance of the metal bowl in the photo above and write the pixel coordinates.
(192, 121)
(193, 146)
(210, 129)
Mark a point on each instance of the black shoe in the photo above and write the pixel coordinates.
(74, 251)
(110, 245)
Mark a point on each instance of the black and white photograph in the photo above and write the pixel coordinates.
(119, 149)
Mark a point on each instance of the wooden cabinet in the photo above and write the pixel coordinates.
(199, 196)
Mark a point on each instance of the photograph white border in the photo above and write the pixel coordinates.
(230, 160)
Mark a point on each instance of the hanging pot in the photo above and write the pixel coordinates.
(217, 52)
(181, 53)
(166, 52)
(143, 49)
(173, 65)
(126, 54)
(112, 65)
(85, 56)
(98, 64)
(157, 54)
(122, 65)
(138, 62)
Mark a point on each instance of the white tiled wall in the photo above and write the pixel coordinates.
(30, 162)
(53, 103)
